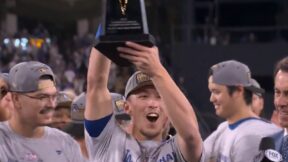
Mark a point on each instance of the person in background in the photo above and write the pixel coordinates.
(76, 127)
(6, 104)
(237, 139)
(61, 117)
(281, 105)
(26, 135)
(257, 99)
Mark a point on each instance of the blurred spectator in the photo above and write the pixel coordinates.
(257, 99)
(76, 128)
(68, 58)
(5, 99)
(61, 117)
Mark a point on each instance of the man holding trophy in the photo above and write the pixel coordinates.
(152, 99)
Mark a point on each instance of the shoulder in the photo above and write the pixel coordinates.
(260, 126)
(4, 130)
(3, 125)
(255, 130)
(221, 127)
(58, 135)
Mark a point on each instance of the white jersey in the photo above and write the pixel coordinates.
(238, 142)
(114, 145)
(54, 146)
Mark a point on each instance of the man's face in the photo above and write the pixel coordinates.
(145, 107)
(222, 101)
(281, 97)
(5, 102)
(61, 117)
(36, 108)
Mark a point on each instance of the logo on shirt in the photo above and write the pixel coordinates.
(169, 157)
(59, 152)
(30, 157)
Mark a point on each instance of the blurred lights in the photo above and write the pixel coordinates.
(6, 41)
(24, 43)
(17, 42)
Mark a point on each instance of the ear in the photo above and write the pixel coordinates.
(15, 100)
(127, 108)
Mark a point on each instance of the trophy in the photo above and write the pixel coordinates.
(123, 20)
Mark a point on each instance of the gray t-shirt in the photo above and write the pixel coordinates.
(114, 145)
(54, 146)
(238, 142)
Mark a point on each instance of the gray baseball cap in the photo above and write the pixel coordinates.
(78, 107)
(63, 100)
(257, 85)
(76, 127)
(233, 73)
(24, 77)
(136, 81)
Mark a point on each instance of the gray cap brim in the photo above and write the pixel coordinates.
(255, 89)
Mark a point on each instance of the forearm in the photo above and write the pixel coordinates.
(181, 114)
(98, 98)
(176, 104)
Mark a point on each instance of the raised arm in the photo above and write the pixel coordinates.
(98, 99)
(177, 107)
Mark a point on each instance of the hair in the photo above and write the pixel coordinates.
(210, 72)
(247, 94)
(281, 65)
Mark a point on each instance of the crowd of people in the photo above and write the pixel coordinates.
(67, 58)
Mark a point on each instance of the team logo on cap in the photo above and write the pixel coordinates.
(42, 70)
(119, 105)
(141, 77)
(77, 108)
(77, 112)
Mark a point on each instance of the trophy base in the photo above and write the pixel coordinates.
(107, 45)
